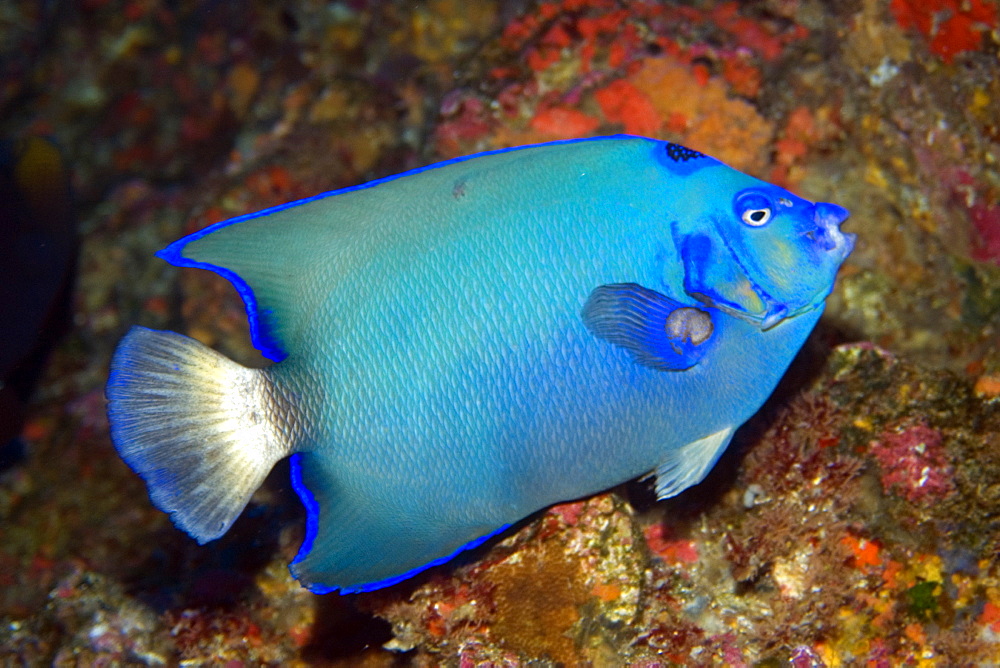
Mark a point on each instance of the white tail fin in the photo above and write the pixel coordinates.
(201, 430)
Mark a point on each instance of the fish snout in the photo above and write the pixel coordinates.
(828, 235)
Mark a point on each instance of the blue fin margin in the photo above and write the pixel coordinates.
(260, 334)
(312, 527)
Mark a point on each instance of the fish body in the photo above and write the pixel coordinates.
(465, 344)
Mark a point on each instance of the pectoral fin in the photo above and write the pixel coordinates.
(689, 464)
(657, 331)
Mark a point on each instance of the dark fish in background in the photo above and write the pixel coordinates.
(38, 248)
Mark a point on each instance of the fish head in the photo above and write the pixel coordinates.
(757, 251)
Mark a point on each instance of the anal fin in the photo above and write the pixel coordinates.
(359, 540)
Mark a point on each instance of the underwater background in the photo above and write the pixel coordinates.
(854, 521)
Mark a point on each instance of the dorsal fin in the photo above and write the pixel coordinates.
(270, 257)
(275, 258)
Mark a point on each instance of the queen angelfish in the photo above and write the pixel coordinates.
(462, 345)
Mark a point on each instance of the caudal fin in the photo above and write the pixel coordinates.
(201, 430)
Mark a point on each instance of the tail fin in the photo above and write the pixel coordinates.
(201, 430)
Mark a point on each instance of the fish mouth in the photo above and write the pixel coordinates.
(828, 238)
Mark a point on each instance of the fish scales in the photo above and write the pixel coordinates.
(463, 345)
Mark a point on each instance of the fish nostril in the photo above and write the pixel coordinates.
(828, 218)
(827, 239)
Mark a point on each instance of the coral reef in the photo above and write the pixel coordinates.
(855, 520)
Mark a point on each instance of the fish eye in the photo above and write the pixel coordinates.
(754, 208)
(756, 217)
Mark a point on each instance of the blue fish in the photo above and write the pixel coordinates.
(464, 344)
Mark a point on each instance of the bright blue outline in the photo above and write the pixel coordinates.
(270, 347)
(262, 339)
(312, 526)
(311, 505)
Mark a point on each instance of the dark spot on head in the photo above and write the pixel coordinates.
(679, 153)
(458, 190)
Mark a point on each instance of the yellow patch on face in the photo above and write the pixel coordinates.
(783, 260)
(748, 297)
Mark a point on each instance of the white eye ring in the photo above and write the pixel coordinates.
(756, 217)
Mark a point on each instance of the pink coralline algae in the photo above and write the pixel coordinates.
(914, 464)
(986, 221)
(979, 203)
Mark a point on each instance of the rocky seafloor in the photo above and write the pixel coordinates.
(854, 521)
